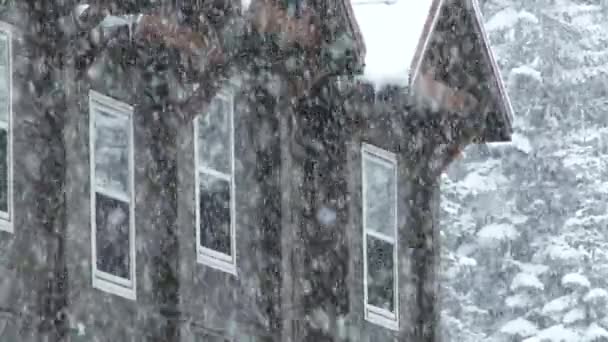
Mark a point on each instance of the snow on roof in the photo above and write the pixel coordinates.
(391, 31)
(519, 327)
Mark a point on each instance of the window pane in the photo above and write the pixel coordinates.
(4, 78)
(214, 136)
(215, 213)
(380, 197)
(112, 152)
(112, 223)
(3, 171)
(380, 274)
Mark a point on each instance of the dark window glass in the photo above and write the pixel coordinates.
(5, 75)
(380, 274)
(215, 213)
(4, 160)
(112, 223)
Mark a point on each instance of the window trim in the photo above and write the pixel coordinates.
(374, 314)
(7, 217)
(101, 280)
(207, 256)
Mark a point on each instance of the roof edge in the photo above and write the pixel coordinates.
(506, 101)
(349, 13)
(425, 38)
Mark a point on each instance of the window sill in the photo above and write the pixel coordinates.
(113, 288)
(381, 320)
(215, 263)
(6, 225)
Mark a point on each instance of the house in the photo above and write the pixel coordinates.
(173, 173)
(395, 132)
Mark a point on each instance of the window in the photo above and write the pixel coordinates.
(214, 154)
(294, 7)
(6, 134)
(112, 195)
(380, 235)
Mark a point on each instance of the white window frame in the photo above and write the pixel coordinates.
(104, 281)
(6, 217)
(204, 255)
(373, 313)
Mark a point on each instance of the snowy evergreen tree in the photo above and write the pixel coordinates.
(524, 224)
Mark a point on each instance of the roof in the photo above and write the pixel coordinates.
(504, 96)
(398, 36)
(349, 14)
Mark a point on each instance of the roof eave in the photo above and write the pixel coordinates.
(425, 38)
(497, 129)
(349, 16)
(501, 128)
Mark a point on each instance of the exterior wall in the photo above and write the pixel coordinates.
(154, 315)
(273, 204)
(329, 297)
(284, 254)
(418, 139)
(317, 222)
(176, 296)
(245, 306)
(381, 125)
(29, 255)
(101, 313)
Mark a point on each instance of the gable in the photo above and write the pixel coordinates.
(467, 70)
(439, 50)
